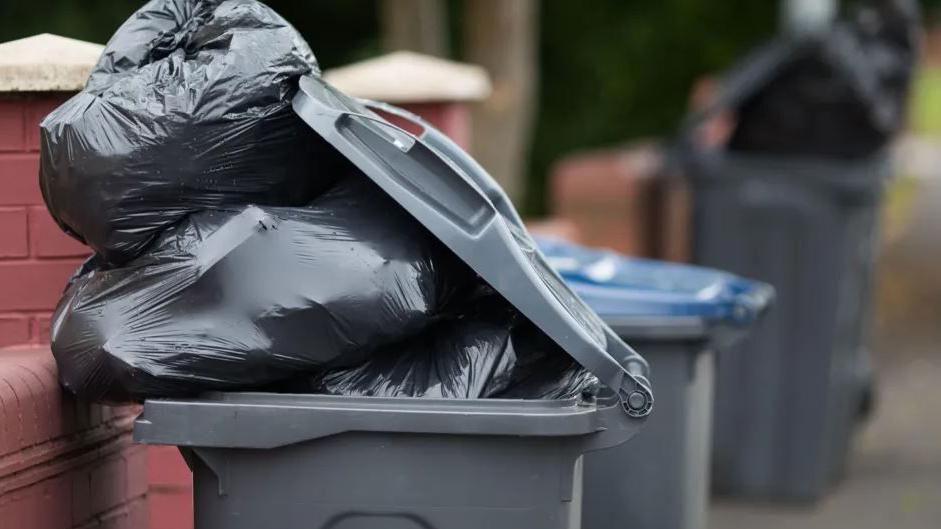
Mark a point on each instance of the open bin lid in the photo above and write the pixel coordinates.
(269, 420)
(459, 203)
(647, 298)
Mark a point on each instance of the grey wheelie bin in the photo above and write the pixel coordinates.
(315, 461)
(679, 317)
(793, 200)
(813, 238)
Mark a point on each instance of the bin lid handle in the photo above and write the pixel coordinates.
(460, 204)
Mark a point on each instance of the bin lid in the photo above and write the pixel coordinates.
(455, 199)
(643, 297)
(271, 420)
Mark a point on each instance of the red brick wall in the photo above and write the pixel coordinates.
(171, 489)
(63, 464)
(36, 258)
(451, 118)
(621, 199)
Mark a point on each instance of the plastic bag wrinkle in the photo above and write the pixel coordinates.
(187, 109)
(236, 299)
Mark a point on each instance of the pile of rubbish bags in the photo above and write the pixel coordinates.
(841, 94)
(235, 249)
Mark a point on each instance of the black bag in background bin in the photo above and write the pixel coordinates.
(242, 298)
(187, 109)
(842, 94)
(794, 201)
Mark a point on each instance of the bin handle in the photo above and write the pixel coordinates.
(635, 365)
(324, 110)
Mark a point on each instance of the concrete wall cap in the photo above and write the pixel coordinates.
(46, 63)
(408, 77)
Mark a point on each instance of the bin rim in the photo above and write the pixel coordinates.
(455, 199)
(271, 420)
(645, 298)
(859, 178)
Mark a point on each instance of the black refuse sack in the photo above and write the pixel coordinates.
(490, 351)
(842, 94)
(187, 109)
(238, 299)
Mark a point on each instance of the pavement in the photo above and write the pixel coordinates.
(894, 475)
(894, 472)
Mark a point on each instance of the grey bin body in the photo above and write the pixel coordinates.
(319, 462)
(322, 462)
(678, 316)
(660, 480)
(789, 395)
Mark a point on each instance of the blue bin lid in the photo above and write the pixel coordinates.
(632, 292)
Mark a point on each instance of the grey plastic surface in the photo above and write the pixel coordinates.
(317, 462)
(272, 420)
(660, 480)
(458, 202)
(788, 396)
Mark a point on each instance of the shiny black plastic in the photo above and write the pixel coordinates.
(491, 351)
(842, 94)
(236, 299)
(188, 108)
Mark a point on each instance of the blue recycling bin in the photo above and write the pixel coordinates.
(677, 316)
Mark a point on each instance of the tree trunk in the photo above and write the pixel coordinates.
(501, 36)
(415, 25)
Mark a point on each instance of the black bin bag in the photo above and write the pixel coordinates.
(188, 108)
(488, 351)
(841, 94)
(241, 298)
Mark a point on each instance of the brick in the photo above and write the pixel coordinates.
(610, 196)
(46, 239)
(41, 331)
(81, 495)
(136, 461)
(14, 330)
(32, 401)
(36, 111)
(453, 119)
(132, 515)
(27, 285)
(43, 399)
(11, 433)
(166, 468)
(28, 406)
(43, 505)
(19, 179)
(138, 514)
(108, 484)
(12, 134)
(171, 510)
(14, 240)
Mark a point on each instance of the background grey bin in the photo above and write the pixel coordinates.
(677, 316)
(319, 462)
(793, 199)
(790, 395)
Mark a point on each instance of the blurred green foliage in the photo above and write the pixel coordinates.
(339, 31)
(611, 70)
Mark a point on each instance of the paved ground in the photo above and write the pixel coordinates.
(894, 479)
